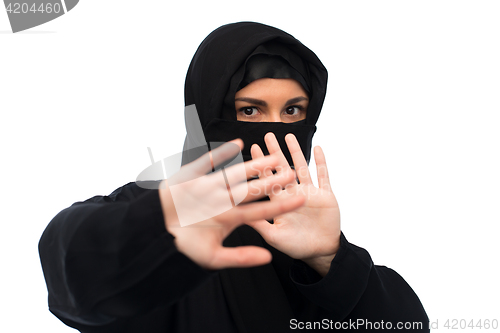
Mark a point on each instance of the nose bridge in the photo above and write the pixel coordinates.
(274, 115)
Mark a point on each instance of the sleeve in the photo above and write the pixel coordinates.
(111, 257)
(355, 290)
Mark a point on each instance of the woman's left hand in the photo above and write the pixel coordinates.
(310, 233)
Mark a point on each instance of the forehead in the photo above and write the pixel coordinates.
(268, 86)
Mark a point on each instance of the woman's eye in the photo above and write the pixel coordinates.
(249, 111)
(293, 110)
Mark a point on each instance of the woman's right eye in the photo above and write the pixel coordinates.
(249, 111)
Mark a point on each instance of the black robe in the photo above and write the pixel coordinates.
(111, 266)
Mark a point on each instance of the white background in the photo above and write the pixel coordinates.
(410, 128)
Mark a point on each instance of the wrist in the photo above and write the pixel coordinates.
(320, 264)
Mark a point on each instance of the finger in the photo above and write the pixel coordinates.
(227, 151)
(241, 172)
(274, 148)
(241, 256)
(322, 170)
(260, 210)
(256, 153)
(205, 163)
(259, 188)
(299, 161)
(263, 227)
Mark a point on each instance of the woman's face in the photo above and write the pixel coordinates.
(271, 100)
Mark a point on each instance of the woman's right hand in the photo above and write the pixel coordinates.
(202, 241)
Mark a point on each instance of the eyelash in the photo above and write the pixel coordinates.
(242, 110)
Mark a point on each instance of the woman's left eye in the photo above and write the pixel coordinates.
(293, 110)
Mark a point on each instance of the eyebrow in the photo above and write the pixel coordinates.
(251, 101)
(296, 100)
(263, 103)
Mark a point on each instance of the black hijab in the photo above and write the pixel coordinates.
(220, 68)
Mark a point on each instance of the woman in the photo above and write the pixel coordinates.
(121, 263)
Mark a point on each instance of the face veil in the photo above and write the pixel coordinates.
(223, 64)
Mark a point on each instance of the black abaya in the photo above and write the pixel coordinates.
(111, 266)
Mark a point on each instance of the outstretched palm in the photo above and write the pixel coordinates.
(312, 230)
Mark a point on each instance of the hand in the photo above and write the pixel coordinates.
(202, 242)
(310, 233)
